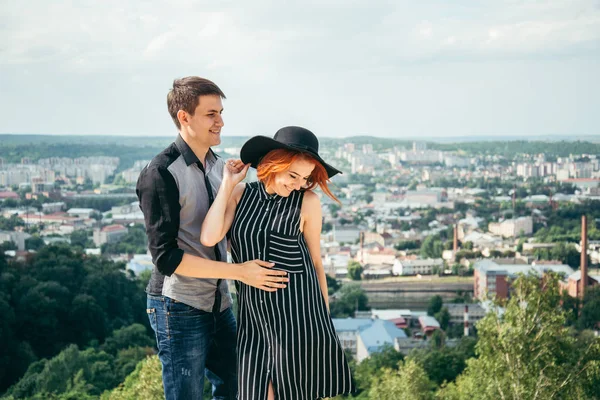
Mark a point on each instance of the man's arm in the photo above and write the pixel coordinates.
(158, 194)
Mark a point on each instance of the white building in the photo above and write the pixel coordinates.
(457, 313)
(347, 330)
(346, 233)
(512, 227)
(414, 267)
(17, 237)
(49, 208)
(109, 234)
(81, 212)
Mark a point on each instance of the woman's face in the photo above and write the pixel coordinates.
(294, 178)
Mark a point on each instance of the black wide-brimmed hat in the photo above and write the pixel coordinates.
(292, 138)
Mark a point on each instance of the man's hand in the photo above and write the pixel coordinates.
(234, 171)
(259, 274)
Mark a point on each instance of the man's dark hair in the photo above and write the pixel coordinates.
(186, 93)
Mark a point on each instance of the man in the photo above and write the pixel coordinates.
(189, 305)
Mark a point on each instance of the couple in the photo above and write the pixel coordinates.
(193, 201)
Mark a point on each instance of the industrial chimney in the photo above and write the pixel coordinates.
(466, 320)
(455, 242)
(362, 250)
(584, 246)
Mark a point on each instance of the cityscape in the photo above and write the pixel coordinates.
(428, 240)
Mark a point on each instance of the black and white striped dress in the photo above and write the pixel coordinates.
(286, 336)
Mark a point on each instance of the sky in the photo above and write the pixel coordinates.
(402, 69)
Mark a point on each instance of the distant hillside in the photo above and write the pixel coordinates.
(131, 148)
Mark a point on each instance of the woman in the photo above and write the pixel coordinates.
(287, 345)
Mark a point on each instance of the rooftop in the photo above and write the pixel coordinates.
(380, 333)
(487, 266)
(351, 324)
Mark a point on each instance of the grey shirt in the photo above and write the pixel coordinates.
(174, 201)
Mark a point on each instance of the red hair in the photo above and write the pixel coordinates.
(280, 160)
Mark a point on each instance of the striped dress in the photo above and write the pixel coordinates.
(286, 336)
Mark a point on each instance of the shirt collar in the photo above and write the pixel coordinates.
(190, 157)
(264, 196)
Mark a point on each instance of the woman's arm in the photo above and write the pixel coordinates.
(312, 217)
(219, 218)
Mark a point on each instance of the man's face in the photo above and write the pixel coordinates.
(204, 127)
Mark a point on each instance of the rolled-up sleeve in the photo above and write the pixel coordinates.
(158, 194)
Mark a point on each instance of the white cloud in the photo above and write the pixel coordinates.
(319, 61)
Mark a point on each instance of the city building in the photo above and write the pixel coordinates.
(428, 325)
(17, 237)
(493, 279)
(346, 233)
(109, 234)
(49, 208)
(81, 212)
(572, 284)
(374, 337)
(417, 267)
(512, 227)
(457, 312)
(348, 329)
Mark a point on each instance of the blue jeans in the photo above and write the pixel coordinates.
(191, 344)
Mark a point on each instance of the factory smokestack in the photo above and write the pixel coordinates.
(455, 242)
(584, 246)
(466, 320)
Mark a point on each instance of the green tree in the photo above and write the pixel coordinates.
(59, 297)
(443, 317)
(9, 224)
(145, 382)
(445, 363)
(409, 382)
(435, 305)
(432, 247)
(567, 253)
(34, 243)
(332, 285)
(407, 244)
(134, 242)
(367, 369)
(81, 238)
(355, 270)
(349, 298)
(590, 311)
(528, 352)
(134, 335)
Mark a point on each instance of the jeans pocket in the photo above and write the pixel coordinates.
(177, 308)
(153, 321)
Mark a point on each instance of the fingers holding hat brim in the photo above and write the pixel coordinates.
(258, 146)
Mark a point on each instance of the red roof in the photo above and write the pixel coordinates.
(113, 228)
(8, 195)
(400, 322)
(581, 180)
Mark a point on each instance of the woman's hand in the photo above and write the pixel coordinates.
(234, 171)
